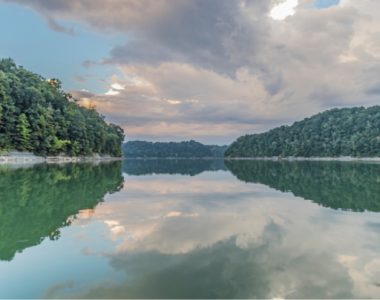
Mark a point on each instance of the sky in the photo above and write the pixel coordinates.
(209, 70)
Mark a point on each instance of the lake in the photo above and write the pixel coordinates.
(190, 229)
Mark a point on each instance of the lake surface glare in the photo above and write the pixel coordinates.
(190, 229)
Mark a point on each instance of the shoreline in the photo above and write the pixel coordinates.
(31, 159)
(314, 158)
(173, 158)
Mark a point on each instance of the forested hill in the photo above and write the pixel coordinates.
(188, 149)
(37, 115)
(336, 132)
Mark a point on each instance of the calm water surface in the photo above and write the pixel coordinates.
(190, 229)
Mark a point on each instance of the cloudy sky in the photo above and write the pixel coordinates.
(209, 70)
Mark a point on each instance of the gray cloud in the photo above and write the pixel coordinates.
(219, 34)
(118, 15)
(374, 90)
(59, 28)
(222, 62)
(211, 34)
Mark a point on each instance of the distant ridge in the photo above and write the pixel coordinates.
(338, 132)
(187, 149)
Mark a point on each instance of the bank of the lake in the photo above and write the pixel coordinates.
(316, 158)
(16, 157)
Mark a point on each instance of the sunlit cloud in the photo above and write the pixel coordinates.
(283, 10)
(117, 86)
(237, 66)
(112, 92)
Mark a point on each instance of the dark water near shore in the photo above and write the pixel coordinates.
(190, 229)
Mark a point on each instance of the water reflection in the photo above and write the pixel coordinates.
(264, 267)
(36, 202)
(211, 236)
(338, 185)
(171, 166)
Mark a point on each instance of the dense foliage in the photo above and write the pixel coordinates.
(338, 185)
(36, 202)
(171, 166)
(37, 115)
(182, 149)
(337, 132)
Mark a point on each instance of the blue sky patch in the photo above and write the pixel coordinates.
(325, 3)
(26, 38)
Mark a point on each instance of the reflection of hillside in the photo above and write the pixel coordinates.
(36, 202)
(171, 166)
(348, 186)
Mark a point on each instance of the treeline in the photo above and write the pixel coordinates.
(336, 132)
(188, 149)
(338, 185)
(36, 115)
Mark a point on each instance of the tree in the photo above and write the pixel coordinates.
(336, 132)
(23, 133)
(37, 115)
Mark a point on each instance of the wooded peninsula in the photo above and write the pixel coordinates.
(338, 132)
(36, 115)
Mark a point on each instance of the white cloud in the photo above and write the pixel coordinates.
(117, 86)
(112, 92)
(283, 10)
(195, 66)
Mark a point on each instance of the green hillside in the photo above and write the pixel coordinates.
(36, 115)
(336, 132)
